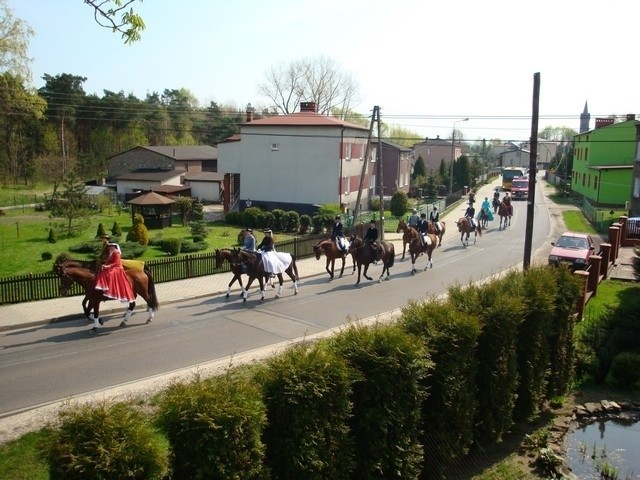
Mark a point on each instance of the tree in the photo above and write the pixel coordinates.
(14, 43)
(20, 109)
(419, 169)
(316, 80)
(558, 134)
(117, 18)
(72, 206)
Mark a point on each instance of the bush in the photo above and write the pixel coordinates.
(268, 221)
(104, 440)
(62, 257)
(214, 428)
(278, 220)
(252, 217)
(399, 204)
(305, 223)
(234, 218)
(172, 246)
(53, 238)
(116, 230)
(197, 238)
(101, 231)
(138, 232)
(132, 250)
(307, 392)
(46, 255)
(625, 369)
(192, 247)
(291, 221)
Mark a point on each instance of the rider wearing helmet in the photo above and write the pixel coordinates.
(413, 219)
(423, 227)
(434, 217)
(470, 214)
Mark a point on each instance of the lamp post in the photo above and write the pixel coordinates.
(453, 152)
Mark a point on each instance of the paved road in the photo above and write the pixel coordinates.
(39, 366)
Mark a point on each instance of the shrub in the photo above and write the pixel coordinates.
(116, 230)
(172, 246)
(53, 238)
(278, 219)
(268, 221)
(62, 257)
(399, 204)
(197, 238)
(104, 440)
(625, 369)
(374, 203)
(234, 218)
(307, 392)
(252, 217)
(191, 247)
(132, 250)
(305, 223)
(101, 231)
(291, 221)
(138, 232)
(214, 428)
(46, 255)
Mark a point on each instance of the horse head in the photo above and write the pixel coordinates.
(317, 249)
(220, 258)
(401, 226)
(66, 281)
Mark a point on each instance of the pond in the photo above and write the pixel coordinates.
(605, 448)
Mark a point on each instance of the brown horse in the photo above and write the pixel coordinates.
(406, 238)
(505, 211)
(416, 247)
(431, 229)
(363, 256)
(255, 269)
(331, 252)
(227, 254)
(141, 282)
(465, 228)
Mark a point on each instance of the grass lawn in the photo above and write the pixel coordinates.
(24, 237)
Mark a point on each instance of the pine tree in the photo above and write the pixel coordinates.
(198, 225)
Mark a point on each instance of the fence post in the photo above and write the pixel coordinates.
(583, 297)
(594, 273)
(605, 249)
(614, 240)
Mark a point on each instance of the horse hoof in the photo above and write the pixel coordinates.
(94, 329)
(277, 296)
(100, 321)
(226, 296)
(296, 292)
(123, 324)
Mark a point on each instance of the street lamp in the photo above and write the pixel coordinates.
(453, 152)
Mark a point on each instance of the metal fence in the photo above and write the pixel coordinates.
(44, 286)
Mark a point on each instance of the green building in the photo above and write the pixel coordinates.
(603, 162)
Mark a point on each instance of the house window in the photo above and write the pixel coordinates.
(373, 153)
(372, 183)
(275, 147)
(595, 183)
(345, 185)
(347, 151)
(636, 187)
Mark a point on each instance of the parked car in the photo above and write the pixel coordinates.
(572, 249)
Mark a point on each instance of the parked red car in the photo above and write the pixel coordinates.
(572, 249)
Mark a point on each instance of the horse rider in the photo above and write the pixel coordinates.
(371, 238)
(249, 241)
(337, 235)
(486, 206)
(112, 280)
(274, 262)
(496, 198)
(507, 201)
(469, 214)
(104, 252)
(423, 228)
(434, 217)
(413, 219)
(472, 197)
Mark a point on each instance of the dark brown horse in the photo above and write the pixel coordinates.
(332, 253)
(505, 211)
(431, 229)
(416, 247)
(141, 282)
(363, 256)
(255, 269)
(406, 238)
(227, 254)
(465, 228)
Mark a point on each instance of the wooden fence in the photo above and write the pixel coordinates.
(623, 233)
(44, 286)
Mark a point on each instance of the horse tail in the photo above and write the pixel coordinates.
(479, 229)
(151, 290)
(392, 253)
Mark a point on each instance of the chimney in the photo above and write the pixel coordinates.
(249, 112)
(631, 116)
(308, 107)
(603, 122)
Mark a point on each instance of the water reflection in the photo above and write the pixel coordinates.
(607, 447)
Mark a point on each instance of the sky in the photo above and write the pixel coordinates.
(427, 64)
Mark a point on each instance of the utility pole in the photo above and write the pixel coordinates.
(380, 180)
(374, 116)
(533, 155)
